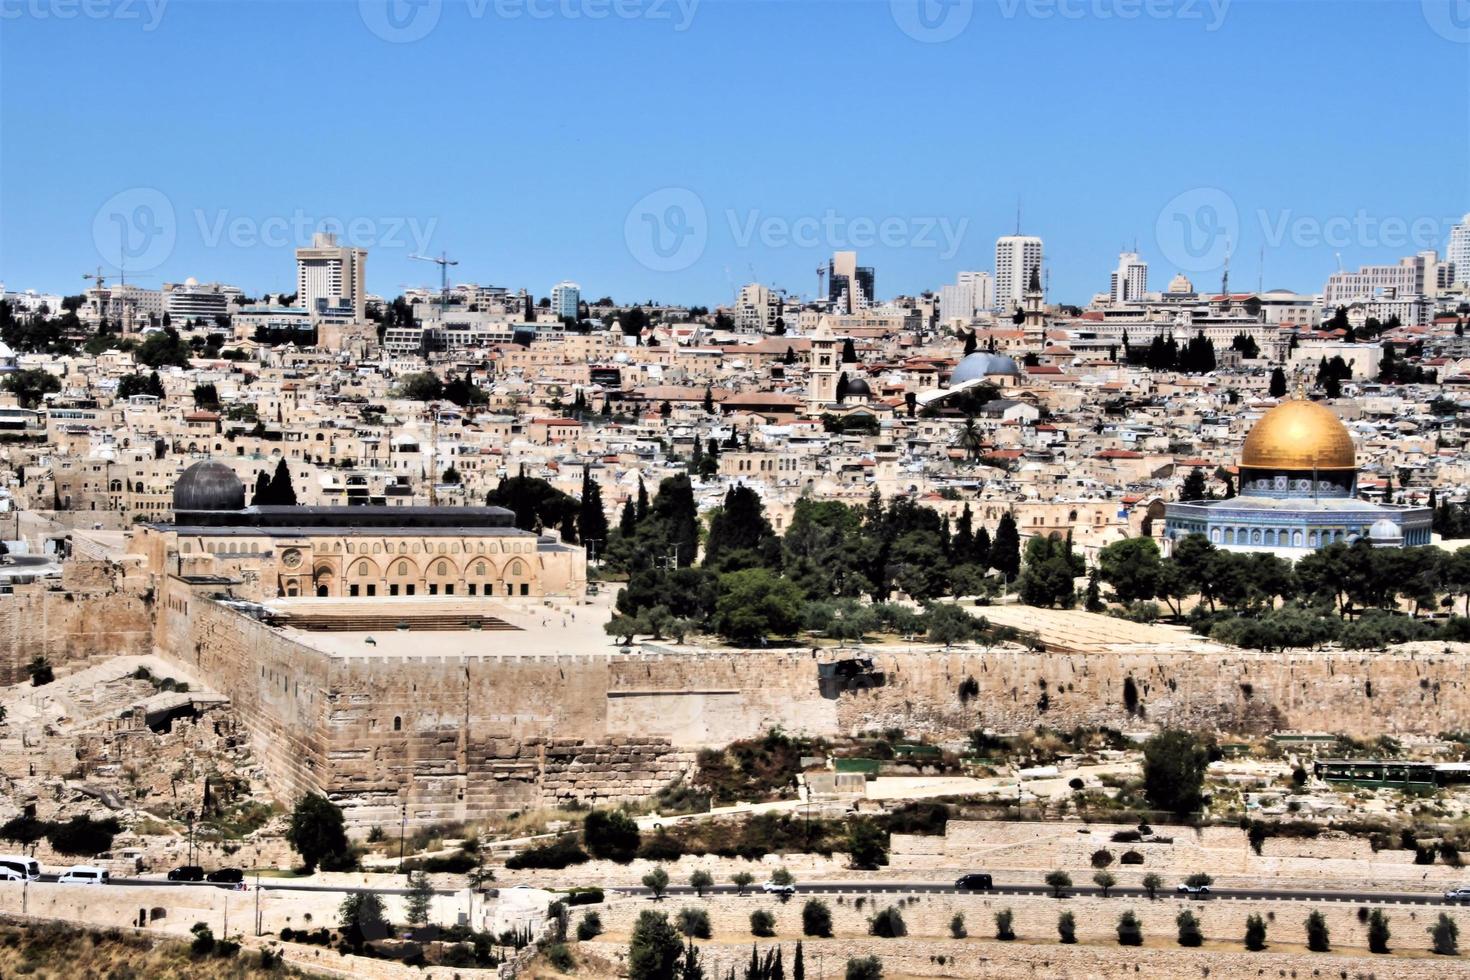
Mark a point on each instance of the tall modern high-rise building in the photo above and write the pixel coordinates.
(1016, 256)
(1458, 252)
(971, 293)
(849, 285)
(1130, 281)
(331, 280)
(565, 298)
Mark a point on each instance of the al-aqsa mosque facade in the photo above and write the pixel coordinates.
(1298, 492)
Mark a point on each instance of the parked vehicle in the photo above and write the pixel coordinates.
(771, 888)
(187, 872)
(84, 874)
(10, 874)
(1458, 894)
(975, 882)
(1187, 889)
(226, 876)
(23, 867)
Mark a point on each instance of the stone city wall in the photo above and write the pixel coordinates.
(1424, 689)
(473, 735)
(69, 628)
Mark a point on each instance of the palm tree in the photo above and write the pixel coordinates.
(971, 438)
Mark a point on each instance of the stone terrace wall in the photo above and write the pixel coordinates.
(1031, 849)
(1412, 691)
(69, 628)
(1035, 920)
(1050, 961)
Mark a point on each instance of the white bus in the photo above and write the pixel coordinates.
(24, 867)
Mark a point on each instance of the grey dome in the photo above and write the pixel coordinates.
(858, 388)
(209, 486)
(983, 364)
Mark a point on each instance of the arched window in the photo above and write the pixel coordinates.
(441, 569)
(480, 568)
(398, 723)
(403, 568)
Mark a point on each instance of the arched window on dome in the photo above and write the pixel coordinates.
(1215, 535)
(1296, 539)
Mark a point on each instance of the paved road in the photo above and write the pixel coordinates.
(895, 888)
(266, 884)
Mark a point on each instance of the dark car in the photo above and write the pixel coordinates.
(227, 876)
(189, 872)
(975, 882)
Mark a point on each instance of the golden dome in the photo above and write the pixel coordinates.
(1299, 435)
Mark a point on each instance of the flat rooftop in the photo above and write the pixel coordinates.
(543, 626)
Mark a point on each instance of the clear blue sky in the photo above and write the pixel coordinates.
(520, 144)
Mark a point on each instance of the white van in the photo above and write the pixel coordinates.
(25, 868)
(84, 874)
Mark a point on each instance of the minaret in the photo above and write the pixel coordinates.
(1033, 306)
(822, 368)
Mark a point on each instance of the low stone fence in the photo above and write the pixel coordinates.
(827, 959)
(928, 916)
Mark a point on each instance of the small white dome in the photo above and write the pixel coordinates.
(1384, 529)
(191, 281)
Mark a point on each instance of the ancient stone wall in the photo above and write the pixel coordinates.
(457, 737)
(1423, 689)
(619, 770)
(69, 628)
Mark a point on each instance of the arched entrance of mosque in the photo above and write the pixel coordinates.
(517, 578)
(403, 577)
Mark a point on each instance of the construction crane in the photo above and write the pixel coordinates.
(443, 262)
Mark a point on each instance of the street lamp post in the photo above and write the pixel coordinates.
(402, 831)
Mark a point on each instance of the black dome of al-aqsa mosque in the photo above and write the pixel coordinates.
(209, 485)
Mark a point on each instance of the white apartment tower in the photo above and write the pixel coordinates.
(1016, 257)
(331, 280)
(565, 298)
(1458, 253)
(1130, 281)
